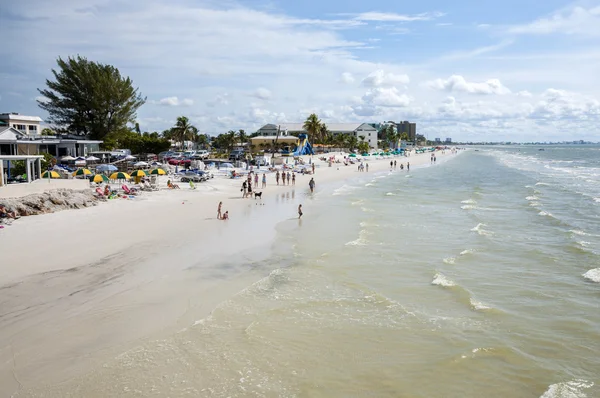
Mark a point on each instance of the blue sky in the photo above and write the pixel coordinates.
(471, 70)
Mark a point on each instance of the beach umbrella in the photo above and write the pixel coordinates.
(352, 155)
(67, 158)
(92, 159)
(139, 173)
(120, 176)
(82, 172)
(106, 167)
(140, 164)
(50, 174)
(129, 157)
(98, 178)
(159, 172)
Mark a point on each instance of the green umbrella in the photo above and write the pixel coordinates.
(352, 155)
(98, 178)
(120, 176)
(82, 172)
(139, 173)
(159, 172)
(365, 154)
(50, 174)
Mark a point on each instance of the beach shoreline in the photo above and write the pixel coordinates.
(130, 270)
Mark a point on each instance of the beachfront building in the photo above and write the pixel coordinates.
(16, 142)
(270, 131)
(27, 125)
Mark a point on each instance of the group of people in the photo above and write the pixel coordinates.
(433, 158)
(5, 212)
(286, 176)
(247, 184)
(222, 216)
(394, 165)
(362, 166)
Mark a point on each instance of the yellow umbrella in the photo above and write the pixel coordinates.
(120, 176)
(50, 174)
(139, 173)
(160, 172)
(98, 178)
(82, 172)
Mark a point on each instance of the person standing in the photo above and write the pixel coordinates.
(255, 180)
(277, 177)
(264, 181)
(219, 215)
(407, 166)
(283, 178)
(395, 165)
(313, 168)
(311, 185)
(299, 211)
(367, 166)
(244, 188)
(289, 177)
(293, 178)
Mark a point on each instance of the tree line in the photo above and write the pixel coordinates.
(94, 100)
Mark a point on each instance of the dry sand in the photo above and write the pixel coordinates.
(80, 286)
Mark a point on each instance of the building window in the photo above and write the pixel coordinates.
(33, 129)
(20, 127)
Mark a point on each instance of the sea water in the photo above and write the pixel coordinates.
(475, 277)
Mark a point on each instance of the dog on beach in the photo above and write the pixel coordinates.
(257, 195)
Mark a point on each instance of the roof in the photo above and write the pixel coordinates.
(12, 116)
(334, 127)
(10, 134)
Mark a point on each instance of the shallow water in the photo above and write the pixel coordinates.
(479, 276)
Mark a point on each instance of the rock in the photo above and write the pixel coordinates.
(51, 201)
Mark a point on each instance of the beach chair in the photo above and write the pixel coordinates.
(99, 194)
(128, 191)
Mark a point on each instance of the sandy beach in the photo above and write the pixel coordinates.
(81, 286)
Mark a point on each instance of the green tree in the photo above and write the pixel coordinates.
(90, 98)
(48, 131)
(314, 127)
(351, 142)
(183, 130)
(363, 147)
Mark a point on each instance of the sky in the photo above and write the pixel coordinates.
(525, 70)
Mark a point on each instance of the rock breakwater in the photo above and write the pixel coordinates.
(51, 201)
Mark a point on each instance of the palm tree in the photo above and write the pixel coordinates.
(183, 130)
(351, 142)
(314, 127)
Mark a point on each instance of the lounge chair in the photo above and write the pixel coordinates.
(129, 191)
(99, 194)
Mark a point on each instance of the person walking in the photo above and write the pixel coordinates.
(219, 215)
(283, 178)
(244, 189)
(313, 168)
(311, 185)
(264, 181)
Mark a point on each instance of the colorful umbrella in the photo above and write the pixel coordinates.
(120, 176)
(160, 172)
(139, 173)
(98, 178)
(50, 174)
(82, 172)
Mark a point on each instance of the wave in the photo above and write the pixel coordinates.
(441, 280)
(597, 200)
(569, 389)
(369, 185)
(367, 209)
(593, 275)
(534, 204)
(544, 184)
(344, 190)
(481, 231)
(358, 202)
(467, 251)
(390, 194)
(478, 305)
(362, 239)
(532, 197)
(449, 260)
(469, 202)
(580, 232)
(365, 224)
(468, 207)
(546, 214)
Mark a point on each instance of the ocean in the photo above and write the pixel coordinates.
(476, 277)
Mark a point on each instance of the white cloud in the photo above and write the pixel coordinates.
(561, 104)
(386, 97)
(524, 93)
(459, 83)
(381, 79)
(262, 94)
(573, 21)
(393, 17)
(174, 101)
(221, 99)
(347, 78)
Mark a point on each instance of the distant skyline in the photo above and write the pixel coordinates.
(509, 71)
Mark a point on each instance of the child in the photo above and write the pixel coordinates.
(299, 211)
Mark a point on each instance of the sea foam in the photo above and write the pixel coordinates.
(449, 260)
(467, 251)
(593, 275)
(478, 305)
(441, 280)
(569, 389)
(469, 202)
(481, 231)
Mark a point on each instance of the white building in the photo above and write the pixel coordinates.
(27, 125)
(357, 129)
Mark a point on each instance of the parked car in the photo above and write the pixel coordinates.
(203, 153)
(188, 176)
(179, 161)
(237, 154)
